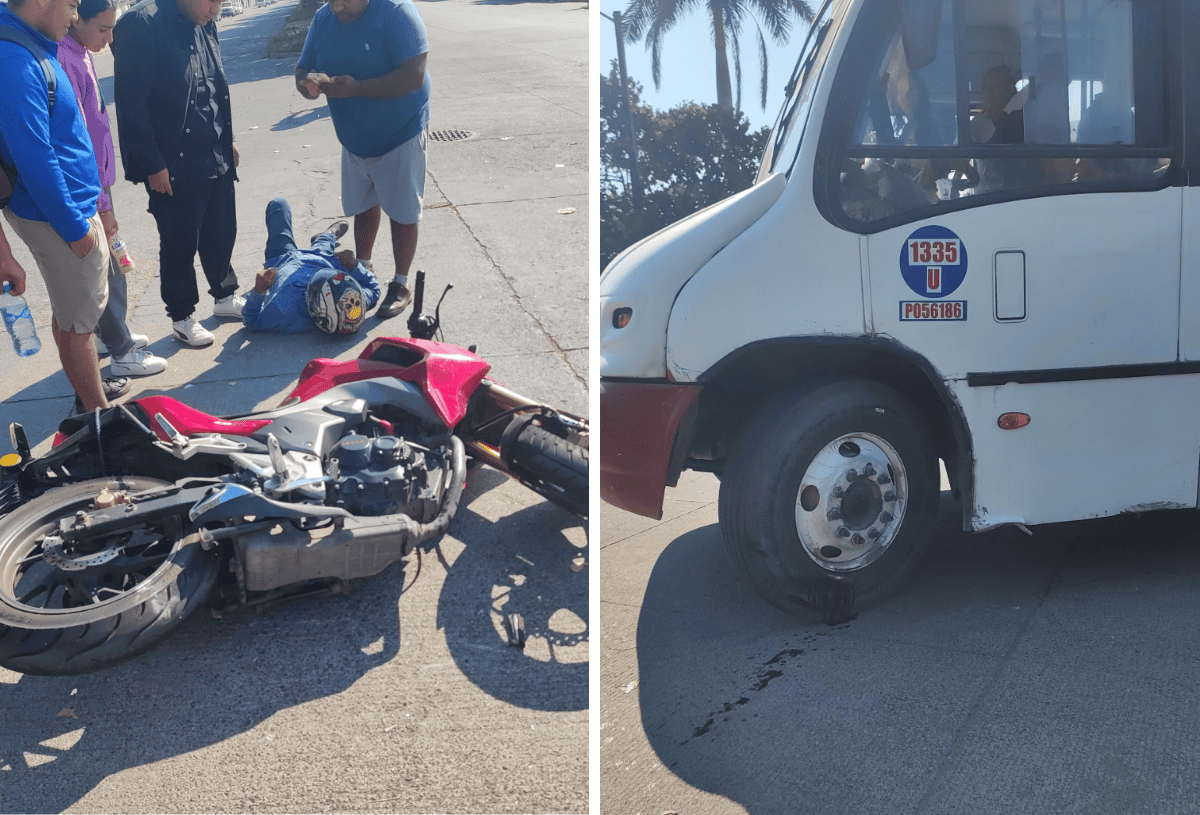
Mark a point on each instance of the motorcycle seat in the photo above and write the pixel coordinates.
(192, 422)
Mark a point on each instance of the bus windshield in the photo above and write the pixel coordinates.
(789, 128)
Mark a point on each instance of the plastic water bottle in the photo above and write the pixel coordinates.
(19, 323)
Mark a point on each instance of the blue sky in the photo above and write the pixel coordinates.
(689, 65)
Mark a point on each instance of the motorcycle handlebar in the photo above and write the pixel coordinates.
(419, 292)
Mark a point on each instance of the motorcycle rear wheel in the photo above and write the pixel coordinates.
(78, 608)
(556, 462)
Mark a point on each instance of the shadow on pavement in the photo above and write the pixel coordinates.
(1014, 674)
(218, 678)
(518, 564)
(214, 679)
(301, 118)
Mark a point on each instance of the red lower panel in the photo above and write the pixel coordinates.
(638, 423)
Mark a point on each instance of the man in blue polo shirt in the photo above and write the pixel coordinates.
(53, 207)
(368, 58)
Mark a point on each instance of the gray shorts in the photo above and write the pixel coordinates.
(395, 181)
(77, 287)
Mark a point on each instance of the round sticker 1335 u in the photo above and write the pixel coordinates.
(933, 261)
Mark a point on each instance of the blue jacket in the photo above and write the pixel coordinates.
(58, 182)
(282, 308)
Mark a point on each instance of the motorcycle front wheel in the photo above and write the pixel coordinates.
(78, 607)
(556, 462)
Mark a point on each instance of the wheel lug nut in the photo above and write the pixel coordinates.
(843, 532)
(838, 492)
(857, 540)
(873, 534)
(835, 514)
(851, 475)
(868, 471)
(886, 517)
(884, 479)
(889, 496)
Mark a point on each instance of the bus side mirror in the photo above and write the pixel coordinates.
(922, 22)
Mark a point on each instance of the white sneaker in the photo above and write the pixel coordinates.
(138, 362)
(230, 306)
(190, 332)
(139, 341)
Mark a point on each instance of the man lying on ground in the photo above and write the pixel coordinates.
(302, 289)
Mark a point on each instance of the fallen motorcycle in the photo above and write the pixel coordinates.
(125, 527)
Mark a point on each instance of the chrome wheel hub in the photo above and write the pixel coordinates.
(851, 502)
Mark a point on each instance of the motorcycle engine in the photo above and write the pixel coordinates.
(386, 475)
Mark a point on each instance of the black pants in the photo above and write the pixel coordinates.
(200, 216)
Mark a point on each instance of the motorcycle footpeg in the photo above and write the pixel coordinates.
(514, 629)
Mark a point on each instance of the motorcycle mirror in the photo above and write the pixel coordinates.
(423, 326)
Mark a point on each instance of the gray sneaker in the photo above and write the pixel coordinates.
(114, 388)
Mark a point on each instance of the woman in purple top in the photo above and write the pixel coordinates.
(93, 32)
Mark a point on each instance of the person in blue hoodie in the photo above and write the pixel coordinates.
(53, 206)
(278, 300)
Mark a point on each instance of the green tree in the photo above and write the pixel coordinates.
(652, 19)
(689, 157)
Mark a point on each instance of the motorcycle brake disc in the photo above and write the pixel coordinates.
(52, 553)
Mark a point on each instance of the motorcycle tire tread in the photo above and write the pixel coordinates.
(104, 643)
(555, 461)
(99, 641)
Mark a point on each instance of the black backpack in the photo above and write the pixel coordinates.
(8, 178)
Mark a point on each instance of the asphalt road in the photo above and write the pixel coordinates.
(1015, 674)
(402, 697)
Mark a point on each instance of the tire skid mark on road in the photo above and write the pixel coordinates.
(770, 670)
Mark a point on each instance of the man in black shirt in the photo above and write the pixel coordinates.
(176, 135)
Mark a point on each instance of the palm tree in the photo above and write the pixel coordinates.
(654, 18)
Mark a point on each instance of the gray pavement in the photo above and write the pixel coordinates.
(372, 702)
(1015, 674)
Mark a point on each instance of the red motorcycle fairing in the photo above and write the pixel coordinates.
(190, 422)
(447, 374)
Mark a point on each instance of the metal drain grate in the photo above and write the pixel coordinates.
(451, 135)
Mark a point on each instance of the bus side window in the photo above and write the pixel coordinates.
(1040, 74)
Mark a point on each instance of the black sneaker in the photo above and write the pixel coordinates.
(114, 388)
(395, 301)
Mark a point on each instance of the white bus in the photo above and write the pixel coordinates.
(967, 242)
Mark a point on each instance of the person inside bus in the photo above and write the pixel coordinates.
(999, 121)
